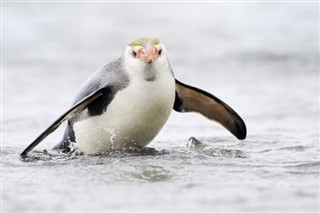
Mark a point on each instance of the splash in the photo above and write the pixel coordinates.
(113, 134)
(217, 150)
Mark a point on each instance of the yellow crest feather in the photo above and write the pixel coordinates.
(143, 42)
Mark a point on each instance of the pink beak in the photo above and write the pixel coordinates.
(150, 56)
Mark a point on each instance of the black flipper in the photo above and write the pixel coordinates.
(76, 108)
(191, 99)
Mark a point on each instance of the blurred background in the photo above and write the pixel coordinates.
(260, 58)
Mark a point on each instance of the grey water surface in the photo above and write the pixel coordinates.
(260, 58)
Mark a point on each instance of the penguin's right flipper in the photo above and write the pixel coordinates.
(192, 99)
(76, 108)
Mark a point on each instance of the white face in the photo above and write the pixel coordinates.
(146, 60)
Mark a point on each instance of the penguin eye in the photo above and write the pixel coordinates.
(134, 53)
(159, 52)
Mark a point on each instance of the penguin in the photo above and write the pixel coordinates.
(126, 102)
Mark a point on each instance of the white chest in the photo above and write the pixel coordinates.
(133, 118)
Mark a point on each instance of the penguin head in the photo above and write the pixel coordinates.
(147, 56)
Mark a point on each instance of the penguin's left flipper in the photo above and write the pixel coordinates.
(191, 99)
(76, 108)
